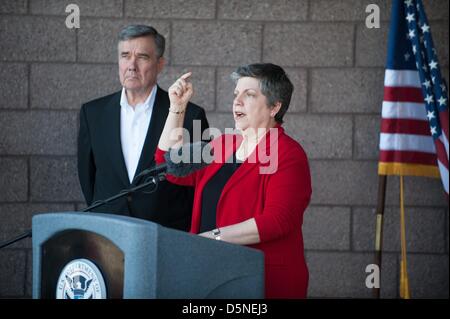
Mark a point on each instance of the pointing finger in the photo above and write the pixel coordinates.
(186, 76)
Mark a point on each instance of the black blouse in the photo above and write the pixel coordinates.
(212, 191)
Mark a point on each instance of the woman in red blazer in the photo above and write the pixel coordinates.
(258, 186)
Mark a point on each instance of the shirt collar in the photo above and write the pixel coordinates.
(147, 105)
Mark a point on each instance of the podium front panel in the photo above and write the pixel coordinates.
(138, 259)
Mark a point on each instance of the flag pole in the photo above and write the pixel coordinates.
(404, 281)
(382, 180)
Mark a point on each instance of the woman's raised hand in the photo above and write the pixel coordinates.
(181, 92)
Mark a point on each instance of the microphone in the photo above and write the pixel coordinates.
(188, 158)
(161, 168)
(183, 161)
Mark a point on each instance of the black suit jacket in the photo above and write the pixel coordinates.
(101, 166)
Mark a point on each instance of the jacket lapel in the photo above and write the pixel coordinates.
(156, 126)
(112, 130)
(265, 146)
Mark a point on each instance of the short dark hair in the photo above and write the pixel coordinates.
(273, 81)
(140, 30)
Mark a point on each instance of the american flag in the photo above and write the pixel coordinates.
(414, 125)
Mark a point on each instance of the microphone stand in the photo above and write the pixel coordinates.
(153, 180)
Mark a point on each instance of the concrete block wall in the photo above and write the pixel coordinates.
(335, 63)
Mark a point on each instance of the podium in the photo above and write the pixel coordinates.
(90, 255)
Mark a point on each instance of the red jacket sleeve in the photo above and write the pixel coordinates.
(287, 196)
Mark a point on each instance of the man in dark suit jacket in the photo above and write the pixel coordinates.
(119, 134)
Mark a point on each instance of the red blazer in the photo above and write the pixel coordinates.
(277, 201)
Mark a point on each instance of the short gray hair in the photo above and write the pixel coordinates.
(273, 82)
(140, 30)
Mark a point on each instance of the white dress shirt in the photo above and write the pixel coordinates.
(134, 125)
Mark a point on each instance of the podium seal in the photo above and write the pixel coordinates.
(81, 279)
